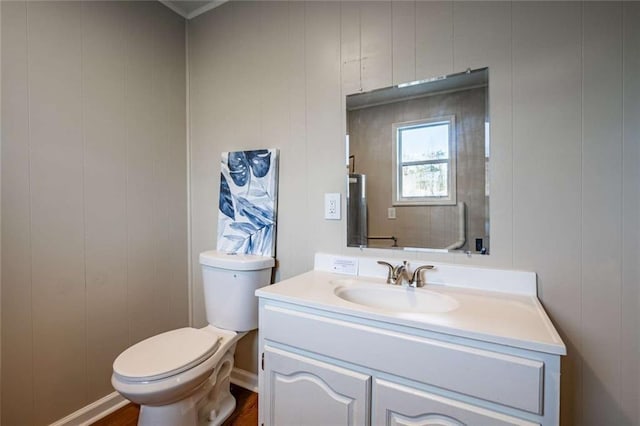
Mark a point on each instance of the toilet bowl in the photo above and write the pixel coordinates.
(182, 377)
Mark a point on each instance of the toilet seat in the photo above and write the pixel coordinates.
(165, 355)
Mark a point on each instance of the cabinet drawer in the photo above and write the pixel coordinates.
(504, 379)
(396, 405)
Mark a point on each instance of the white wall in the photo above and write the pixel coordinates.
(94, 235)
(565, 160)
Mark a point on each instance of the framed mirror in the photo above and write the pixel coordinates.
(418, 165)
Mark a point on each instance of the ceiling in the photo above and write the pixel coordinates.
(191, 9)
(453, 82)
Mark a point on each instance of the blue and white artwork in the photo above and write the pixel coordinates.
(248, 200)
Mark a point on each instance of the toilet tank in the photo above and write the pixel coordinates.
(230, 281)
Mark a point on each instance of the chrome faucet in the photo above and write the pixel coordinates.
(399, 274)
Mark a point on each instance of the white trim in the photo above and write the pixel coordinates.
(193, 13)
(104, 406)
(206, 8)
(244, 379)
(172, 7)
(188, 146)
(0, 224)
(95, 411)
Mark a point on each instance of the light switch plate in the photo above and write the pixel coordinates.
(332, 206)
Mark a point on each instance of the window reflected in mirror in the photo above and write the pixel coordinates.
(424, 168)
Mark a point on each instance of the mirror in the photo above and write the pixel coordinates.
(418, 165)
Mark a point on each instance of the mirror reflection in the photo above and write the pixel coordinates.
(418, 163)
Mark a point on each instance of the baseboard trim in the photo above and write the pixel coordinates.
(94, 411)
(110, 403)
(244, 379)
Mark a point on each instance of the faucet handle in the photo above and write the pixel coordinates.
(389, 272)
(417, 277)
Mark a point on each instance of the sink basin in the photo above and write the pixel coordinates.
(398, 299)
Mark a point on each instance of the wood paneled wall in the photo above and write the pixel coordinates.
(565, 156)
(94, 201)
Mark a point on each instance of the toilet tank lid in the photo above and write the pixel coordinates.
(236, 262)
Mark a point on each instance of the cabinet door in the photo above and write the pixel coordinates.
(396, 404)
(302, 391)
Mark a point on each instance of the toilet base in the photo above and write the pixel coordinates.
(209, 405)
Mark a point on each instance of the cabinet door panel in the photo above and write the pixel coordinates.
(304, 391)
(398, 405)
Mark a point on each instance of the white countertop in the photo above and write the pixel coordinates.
(516, 320)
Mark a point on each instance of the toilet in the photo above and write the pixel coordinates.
(181, 377)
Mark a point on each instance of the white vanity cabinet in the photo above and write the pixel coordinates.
(332, 368)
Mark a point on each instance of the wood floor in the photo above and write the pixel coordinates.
(245, 414)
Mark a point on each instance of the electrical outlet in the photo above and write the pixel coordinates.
(391, 213)
(332, 206)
